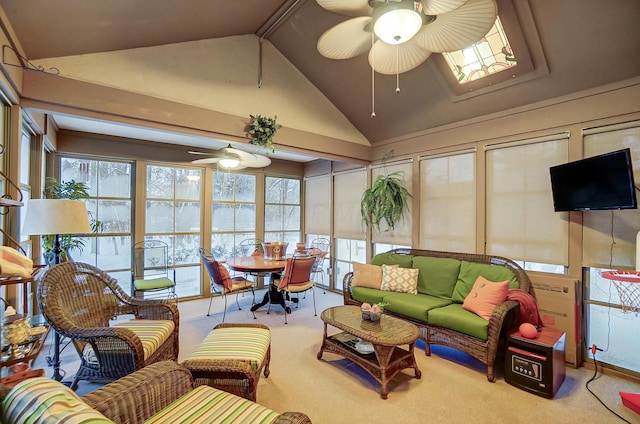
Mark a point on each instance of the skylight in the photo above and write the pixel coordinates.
(488, 56)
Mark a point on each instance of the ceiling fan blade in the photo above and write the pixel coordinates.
(346, 40)
(259, 161)
(459, 28)
(346, 7)
(438, 7)
(389, 60)
(191, 152)
(205, 160)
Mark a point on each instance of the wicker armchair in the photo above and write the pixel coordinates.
(79, 301)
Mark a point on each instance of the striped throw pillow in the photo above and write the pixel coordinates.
(42, 400)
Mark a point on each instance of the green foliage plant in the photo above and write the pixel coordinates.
(262, 129)
(386, 199)
(72, 190)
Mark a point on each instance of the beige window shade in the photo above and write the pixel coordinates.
(401, 234)
(448, 203)
(317, 205)
(601, 228)
(521, 222)
(347, 192)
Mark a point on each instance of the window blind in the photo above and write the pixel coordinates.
(347, 192)
(317, 205)
(520, 220)
(448, 202)
(601, 229)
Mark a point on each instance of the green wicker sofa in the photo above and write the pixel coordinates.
(161, 393)
(444, 281)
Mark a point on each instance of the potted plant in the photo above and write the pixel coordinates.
(71, 190)
(387, 199)
(262, 129)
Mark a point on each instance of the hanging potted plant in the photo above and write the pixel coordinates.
(387, 199)
(262, 129)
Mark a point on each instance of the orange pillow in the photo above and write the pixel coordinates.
(484, 296)
(367, 275)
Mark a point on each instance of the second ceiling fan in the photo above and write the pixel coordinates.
(231, 158)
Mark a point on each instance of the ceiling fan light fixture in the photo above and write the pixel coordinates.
(228, 163)
(397, 23)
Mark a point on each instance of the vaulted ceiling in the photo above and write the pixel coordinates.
(574, 45)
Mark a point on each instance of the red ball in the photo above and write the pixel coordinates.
(528, 330)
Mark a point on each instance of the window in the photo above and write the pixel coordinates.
(348, 251)
(173, 216)
(233, 213)
(609, 243)
(282, 211)
(109, 184)
(401, 234)
(489, 55)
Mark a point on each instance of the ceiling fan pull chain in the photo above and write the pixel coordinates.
(397, 68)
(373, 76)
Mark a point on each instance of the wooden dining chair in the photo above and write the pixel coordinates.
(222, 283)
(296, 279)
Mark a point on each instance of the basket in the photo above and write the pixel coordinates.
(368, 315)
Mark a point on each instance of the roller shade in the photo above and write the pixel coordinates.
(401, 234)
(317, 205)
(347, 192)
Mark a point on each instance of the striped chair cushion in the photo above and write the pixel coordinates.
(206, 404)
(237, 343)
(41, 400)
(152, 333)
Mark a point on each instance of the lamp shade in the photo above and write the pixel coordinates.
(56, 216)
(398, 22)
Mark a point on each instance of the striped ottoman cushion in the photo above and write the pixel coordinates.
(235, 343)
(42, 400)
(152, 333)
(209, 405)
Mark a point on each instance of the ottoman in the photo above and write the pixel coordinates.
(231, 358)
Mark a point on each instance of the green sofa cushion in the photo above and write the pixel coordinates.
(365, 294)
(438, 276)
(454, 317)
(413, 306)
(404, 261)
(469, 272)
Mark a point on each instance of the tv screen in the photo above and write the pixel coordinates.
(595, 183)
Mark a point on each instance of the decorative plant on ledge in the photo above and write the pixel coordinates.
(262, 129)
(386, 199)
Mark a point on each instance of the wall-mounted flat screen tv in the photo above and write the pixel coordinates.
(596, 183)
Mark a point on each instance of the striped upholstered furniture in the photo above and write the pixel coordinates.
(162, 393)
(231, 358)
(81, 302)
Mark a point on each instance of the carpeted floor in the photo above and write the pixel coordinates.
(453, 387)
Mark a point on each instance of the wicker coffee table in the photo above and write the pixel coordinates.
(387, 359)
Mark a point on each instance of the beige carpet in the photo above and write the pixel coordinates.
(453, 387)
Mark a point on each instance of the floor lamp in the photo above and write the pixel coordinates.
(56, 217)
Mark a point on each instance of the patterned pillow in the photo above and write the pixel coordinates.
(42, 400)
(404, 280)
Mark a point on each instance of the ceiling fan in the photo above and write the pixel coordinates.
(406, 32)
(230, 158)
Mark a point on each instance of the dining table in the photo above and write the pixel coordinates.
(259, 265)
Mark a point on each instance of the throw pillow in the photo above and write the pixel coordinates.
(404, 280)
(42, 400)
(227, 281)
(484, 296)
(367, 275)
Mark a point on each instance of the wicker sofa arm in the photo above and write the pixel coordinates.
(502, 317)
(140, 395)
(346, 289)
